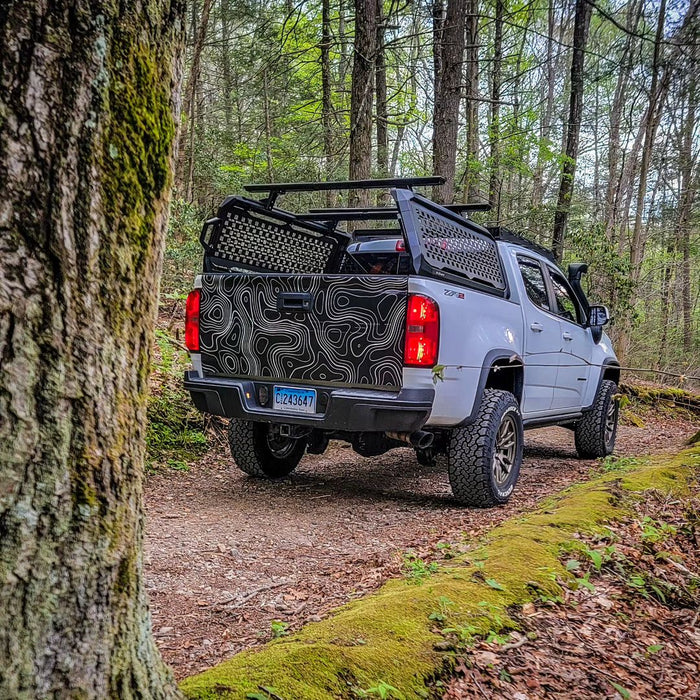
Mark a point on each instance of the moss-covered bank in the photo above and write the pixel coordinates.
(393, 636)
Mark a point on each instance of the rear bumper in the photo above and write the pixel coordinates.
(353, 410)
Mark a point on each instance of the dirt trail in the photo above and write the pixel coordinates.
(227, 554)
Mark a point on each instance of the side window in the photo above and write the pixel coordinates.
(566, 302)
(533, 280)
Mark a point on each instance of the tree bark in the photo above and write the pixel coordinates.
(471, 180)
(614, 146)
(382, 105)
(189, 108)
(582, 22)
(547, 88)
(86, 141)
(495, 125)
(656, 95)
(448, 89)
(688, 191)
(361, 95)
(327, 98)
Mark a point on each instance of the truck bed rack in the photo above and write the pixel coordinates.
(380, 213)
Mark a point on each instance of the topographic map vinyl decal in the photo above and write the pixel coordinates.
(353, 334)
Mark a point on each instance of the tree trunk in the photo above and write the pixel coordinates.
(495, 125)
(85, 169)
(614, 146)
(381, 89)
(688, 190)
(582, 22)
(448, 90)
(547, 88)
(189, 106)
(471, 180)
(225, 9)
(326, 98)
(655, 98)
(361, 96)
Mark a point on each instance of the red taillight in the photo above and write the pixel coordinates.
(422, 332)
(192, 321)
(400, 246)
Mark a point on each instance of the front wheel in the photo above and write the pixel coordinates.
(259, 450)
(595, 433)
(484, 458)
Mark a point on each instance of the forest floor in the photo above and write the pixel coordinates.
(631, 631)
(232, 561)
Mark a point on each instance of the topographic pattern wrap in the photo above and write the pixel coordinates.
(353, 335)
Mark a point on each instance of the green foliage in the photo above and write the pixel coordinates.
(621, 689)
(415, 569)
(382, 690)
(183, 252)
(279, 629)
(654, 531)
(175, 434)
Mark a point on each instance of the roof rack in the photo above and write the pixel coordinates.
(504, 234)
(379, 213)
(377, 184)
(275, 189)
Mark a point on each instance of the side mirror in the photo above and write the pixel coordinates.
(598, 316)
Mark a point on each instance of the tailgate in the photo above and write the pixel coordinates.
(308, 329)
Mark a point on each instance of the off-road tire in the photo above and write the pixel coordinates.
(252, 453)
(470, 452)
(590, 432)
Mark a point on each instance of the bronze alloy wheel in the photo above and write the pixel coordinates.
(610, 421)
(505, 450)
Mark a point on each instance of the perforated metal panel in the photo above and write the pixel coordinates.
(449, 245)
(251, 239)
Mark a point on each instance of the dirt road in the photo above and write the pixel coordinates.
(226, 554)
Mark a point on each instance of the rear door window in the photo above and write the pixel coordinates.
(566, 305)
(533, 279)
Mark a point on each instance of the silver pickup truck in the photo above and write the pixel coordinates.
(431, 331)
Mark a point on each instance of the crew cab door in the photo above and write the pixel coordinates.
(574, 369)
(542, 340)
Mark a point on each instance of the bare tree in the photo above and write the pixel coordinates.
(449, 65)
(362, 94)
(582, 21)
(495, 125)
(471, 181)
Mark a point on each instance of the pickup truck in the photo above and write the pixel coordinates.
(430, 331)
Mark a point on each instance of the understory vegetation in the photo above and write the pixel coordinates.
(177, 432)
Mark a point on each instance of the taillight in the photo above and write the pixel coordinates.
(192, 321)
(422, 332)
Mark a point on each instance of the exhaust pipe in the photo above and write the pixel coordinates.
(421, 439)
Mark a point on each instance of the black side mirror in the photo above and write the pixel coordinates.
(598, 316)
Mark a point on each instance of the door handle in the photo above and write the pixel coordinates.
(567, 336)
(537, 327)
(294, 302)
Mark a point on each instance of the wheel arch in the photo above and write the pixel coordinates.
(502, 369)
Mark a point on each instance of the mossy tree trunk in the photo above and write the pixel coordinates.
(86, 131)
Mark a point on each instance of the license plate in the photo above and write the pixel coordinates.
(287, 398)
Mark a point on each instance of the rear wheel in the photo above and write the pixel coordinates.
(259, 450)
(484, 458)
(595, 433)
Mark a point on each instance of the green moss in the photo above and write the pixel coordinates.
(390, 637)
(136, 155)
